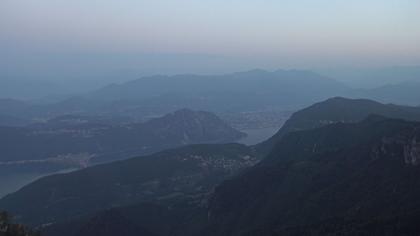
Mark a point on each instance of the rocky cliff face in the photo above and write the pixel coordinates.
(404, 145)
(412, 152)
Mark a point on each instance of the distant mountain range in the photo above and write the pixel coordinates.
(399, 93)
(238, 92)
(333, 168)
(255, 90)
(64, 84)
(373, 77)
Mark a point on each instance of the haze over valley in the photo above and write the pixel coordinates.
(209, 118)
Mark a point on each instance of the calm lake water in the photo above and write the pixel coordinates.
(258, 135)
(11, 183)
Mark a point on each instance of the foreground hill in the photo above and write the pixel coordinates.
(335, 110)
(180, 218)
(188, 173)
(338, 176)
(341, 179)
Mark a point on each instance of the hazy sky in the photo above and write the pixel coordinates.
(105, 37)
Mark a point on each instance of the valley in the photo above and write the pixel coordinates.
(209, 118)
(224, 187)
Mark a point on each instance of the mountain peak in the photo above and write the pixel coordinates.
(186, 111)
(340, 109)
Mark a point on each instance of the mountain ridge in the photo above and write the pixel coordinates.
(345, 170)
(338, 109)
(79, 136)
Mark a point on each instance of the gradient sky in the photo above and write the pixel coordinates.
(49, 37)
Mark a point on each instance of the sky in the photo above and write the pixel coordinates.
(121, 39)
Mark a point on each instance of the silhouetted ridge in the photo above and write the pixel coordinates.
(359, 172)
(338, 109)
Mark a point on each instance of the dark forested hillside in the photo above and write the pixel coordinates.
(188, 173)
(335, 110)
(139, 219)
(363, 174)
